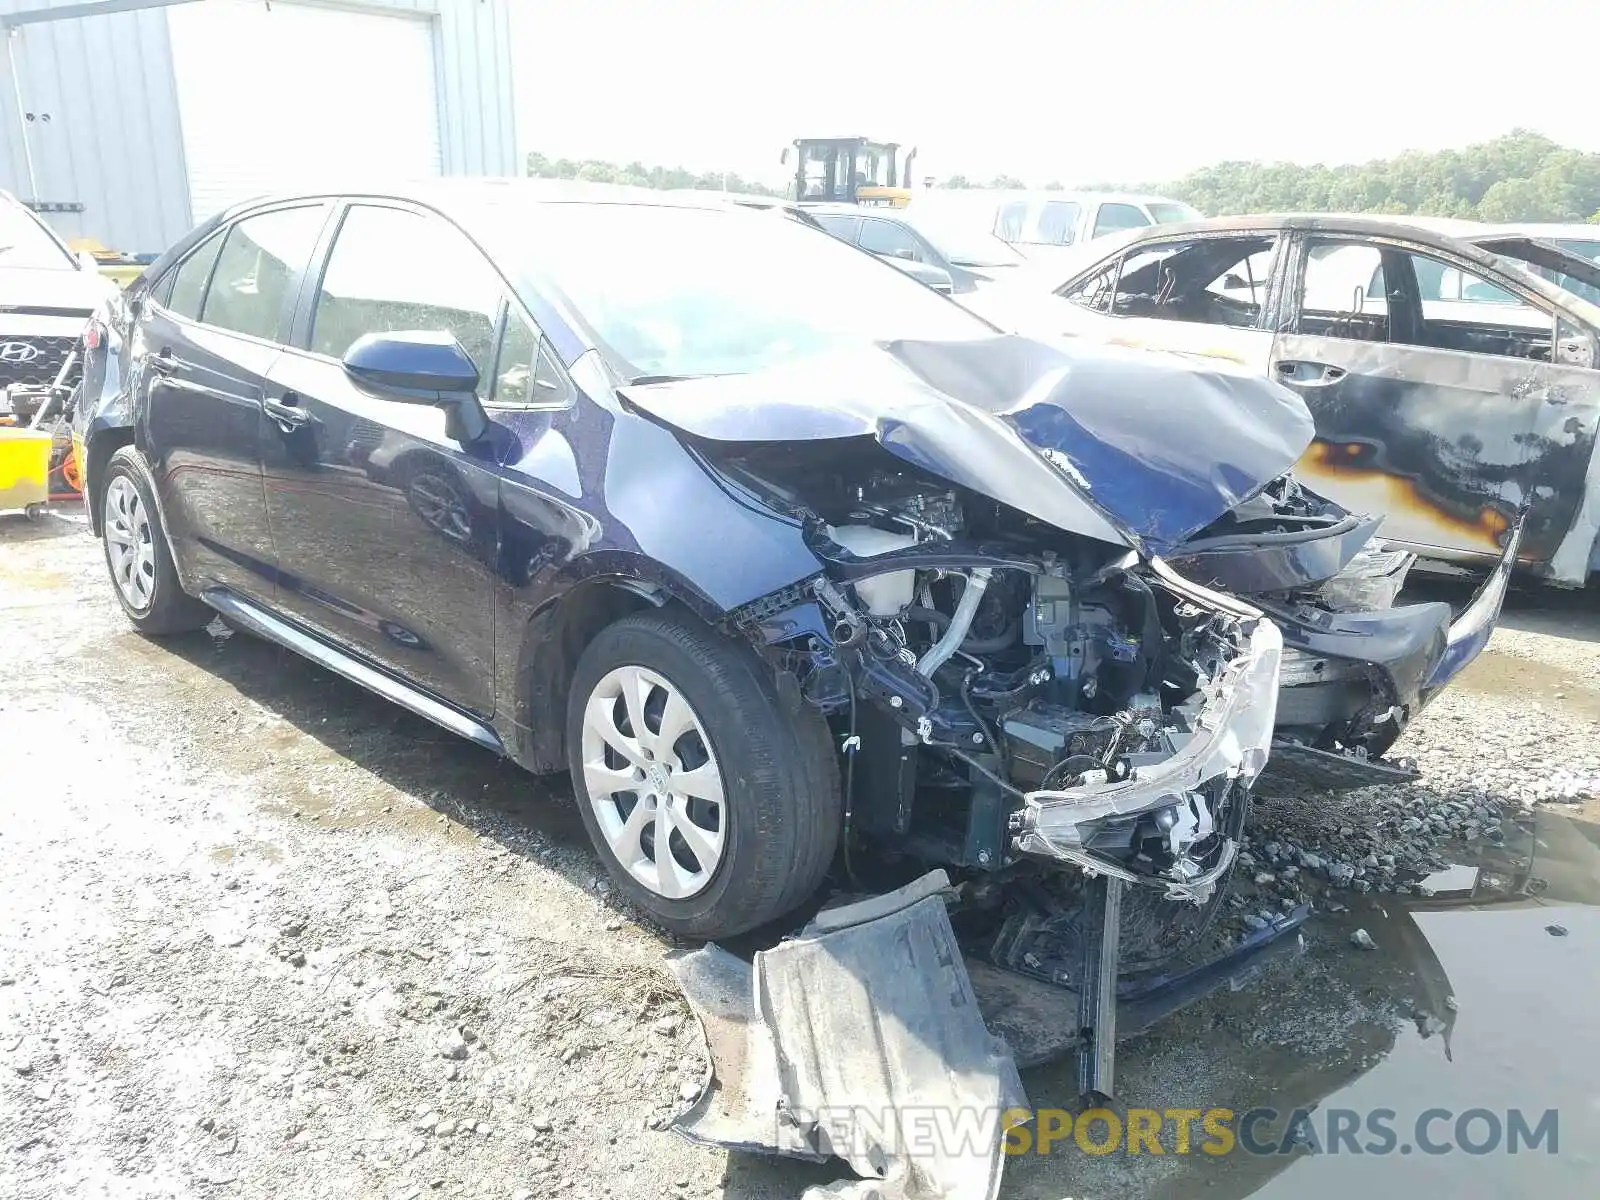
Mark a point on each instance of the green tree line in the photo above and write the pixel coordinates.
(1523, 176)
(594, 170)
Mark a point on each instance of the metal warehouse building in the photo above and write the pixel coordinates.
(127, 121)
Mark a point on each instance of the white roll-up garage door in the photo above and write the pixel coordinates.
(297, 96)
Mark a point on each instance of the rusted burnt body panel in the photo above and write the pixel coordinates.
(1450, 447)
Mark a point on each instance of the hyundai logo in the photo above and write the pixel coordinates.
(18, 353)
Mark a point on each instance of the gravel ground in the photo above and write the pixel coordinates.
(264, 935)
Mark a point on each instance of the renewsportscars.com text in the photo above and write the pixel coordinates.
(1211, 1131)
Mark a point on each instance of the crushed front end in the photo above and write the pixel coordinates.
(1043, 715)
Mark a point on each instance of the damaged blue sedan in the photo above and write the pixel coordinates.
(795, 565)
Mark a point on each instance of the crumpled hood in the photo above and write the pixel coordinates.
(1126, 446)
(31, 288)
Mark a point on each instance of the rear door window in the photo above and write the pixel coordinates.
(393, 269)
(262, 257)
(190, 278)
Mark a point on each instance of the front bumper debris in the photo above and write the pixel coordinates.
(1230, 732)
(861, 1039)
(868, 1037)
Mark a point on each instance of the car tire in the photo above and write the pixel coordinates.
(773, 835)
(143, 576)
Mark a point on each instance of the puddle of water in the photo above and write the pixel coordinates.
(1468, 1003)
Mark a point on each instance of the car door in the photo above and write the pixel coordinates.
(1435, 397)
(208, 334)
(387, 528)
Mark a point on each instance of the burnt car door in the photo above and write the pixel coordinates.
(208, 333)
(386, 526)
(1437, 399)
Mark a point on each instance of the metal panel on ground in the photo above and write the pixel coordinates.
(301, 96)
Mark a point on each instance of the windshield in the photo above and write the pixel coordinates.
(686, 291)
(25, 243)
(1166, 212)
(962, 245)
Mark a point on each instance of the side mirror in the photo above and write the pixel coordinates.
(88, 262)
(905, 254)
(421, 366)
(938, 279)
(1233, 282)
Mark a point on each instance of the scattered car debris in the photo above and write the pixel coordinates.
(833, 1043)
(1362, 940)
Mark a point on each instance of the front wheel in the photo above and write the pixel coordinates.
(714, 804)
(142, 572)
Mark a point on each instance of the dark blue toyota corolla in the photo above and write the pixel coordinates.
(776, 550)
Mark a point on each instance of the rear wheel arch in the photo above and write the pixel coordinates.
(99, 450)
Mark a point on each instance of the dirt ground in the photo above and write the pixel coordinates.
(262, 934)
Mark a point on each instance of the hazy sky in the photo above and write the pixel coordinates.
(1077, 91)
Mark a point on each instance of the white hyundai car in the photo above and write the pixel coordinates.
(46, 296)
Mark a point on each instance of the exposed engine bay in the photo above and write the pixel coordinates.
(1008, 694)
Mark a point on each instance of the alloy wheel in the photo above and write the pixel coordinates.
(653, 782)
(129, 544)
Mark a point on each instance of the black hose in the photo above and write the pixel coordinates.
(972, 645)
(851, 747)
(931, 615)
(995, 745)
(984, 771)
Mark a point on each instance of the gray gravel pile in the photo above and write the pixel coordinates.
(1488, 759)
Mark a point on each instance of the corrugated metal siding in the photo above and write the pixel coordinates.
(114, 141)
(106, 84)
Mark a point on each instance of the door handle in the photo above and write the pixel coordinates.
(285, 412)
(1309, 374)
(164, 363)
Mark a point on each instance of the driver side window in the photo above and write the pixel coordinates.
(392, 269)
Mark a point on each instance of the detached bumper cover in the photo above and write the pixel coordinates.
(1469, 634)
(861, 1039)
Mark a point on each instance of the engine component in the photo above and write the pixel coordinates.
(966, 609)
(881, 595)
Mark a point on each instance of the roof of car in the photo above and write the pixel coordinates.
(1461, 237)
(1330, 222)
(461, 196)
(852, 210)
(1551, 229)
